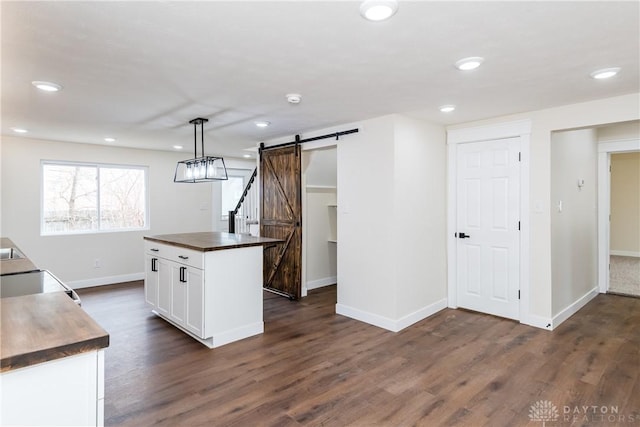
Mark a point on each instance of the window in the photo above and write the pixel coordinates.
(231, 192)
(86, 198)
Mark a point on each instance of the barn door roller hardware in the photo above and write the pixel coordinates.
(335, 135)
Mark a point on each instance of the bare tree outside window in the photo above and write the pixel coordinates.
(80, 198)
(122, 198)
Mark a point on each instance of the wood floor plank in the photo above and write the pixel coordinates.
(312, 367)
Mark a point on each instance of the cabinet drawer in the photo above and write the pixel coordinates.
(186, 256)
(178, 254)
(155, 248)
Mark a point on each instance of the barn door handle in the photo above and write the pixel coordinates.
(463, 236)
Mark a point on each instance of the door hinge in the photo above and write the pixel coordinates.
(519, 156)
(518, 225)
(518, 293)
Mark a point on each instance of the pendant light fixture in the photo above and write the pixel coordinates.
(200, 169)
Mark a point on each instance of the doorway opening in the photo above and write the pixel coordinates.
(320, 217)
(619, 205)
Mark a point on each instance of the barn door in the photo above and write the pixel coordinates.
(281, 215)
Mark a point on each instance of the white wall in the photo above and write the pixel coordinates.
(420, 214)
(320, 167)
(574, 225)
(391, 222)
(366, 271)
(625, 204)
(174, 208)
(544, 122)
(619, 131)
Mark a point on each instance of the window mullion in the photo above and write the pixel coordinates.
(98, 198)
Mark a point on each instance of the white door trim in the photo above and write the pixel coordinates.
(604, 202)
(522, 129)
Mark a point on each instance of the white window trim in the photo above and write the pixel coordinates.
(147, 203)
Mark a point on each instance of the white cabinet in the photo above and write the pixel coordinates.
(187, 297)
(63, 392)
(152, 277)
(174, 287)
(214, 296)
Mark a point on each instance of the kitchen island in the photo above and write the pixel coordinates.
(208, 284)
(51, 355)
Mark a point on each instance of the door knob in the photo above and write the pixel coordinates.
(463, 236)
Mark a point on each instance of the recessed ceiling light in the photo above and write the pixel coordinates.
(109, 139)
(447, 108)
(378, 10)
(471, 63)
(605, 73)
(246, 156)
(177, 147)
(263, 124)
(19, 130)
(294, 98)
(46, 86)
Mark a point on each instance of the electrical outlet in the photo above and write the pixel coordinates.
(96, 263)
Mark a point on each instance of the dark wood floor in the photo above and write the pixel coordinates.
(313, 367)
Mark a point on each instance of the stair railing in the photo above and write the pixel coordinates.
(246, 211)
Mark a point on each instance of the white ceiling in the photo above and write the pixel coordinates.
(139, 71)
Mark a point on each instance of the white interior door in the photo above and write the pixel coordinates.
(487, 244)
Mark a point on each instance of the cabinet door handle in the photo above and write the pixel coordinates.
(154, 250)
(183, 257)
(182, 274)
(154, 264)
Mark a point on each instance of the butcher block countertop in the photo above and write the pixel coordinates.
(42, 327)
(212, 241)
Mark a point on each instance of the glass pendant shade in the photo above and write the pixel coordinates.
(200, 169)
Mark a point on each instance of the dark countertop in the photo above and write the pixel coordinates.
(12, 266)
(42, 327)
(212, 241)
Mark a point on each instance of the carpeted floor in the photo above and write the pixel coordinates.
(624, 275)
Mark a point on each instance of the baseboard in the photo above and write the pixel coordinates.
(391, 324)
(537, 321)
(573, 308)
(421, 314)
(107, 280)
(237, 334)
(319, 283)
(625, 253)
(221, 338)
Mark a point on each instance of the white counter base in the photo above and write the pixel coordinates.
(213, 296)
(223, 337)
